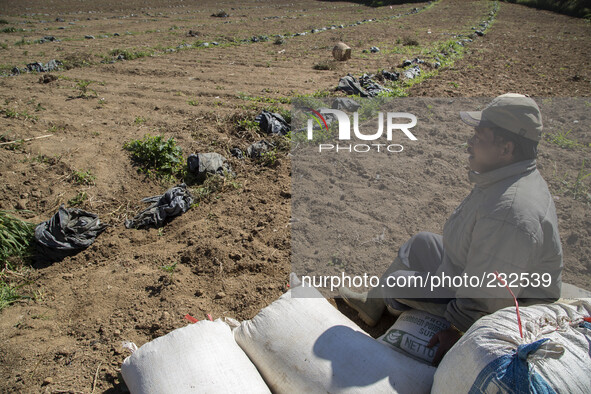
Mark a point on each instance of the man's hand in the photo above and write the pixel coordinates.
(446, 339)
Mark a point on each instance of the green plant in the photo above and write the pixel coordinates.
(78, 199)
(170, 269)
(560, 138)
(214, 183)
(21, 42)
(155, 155)
(83, 177)
(15, 237)
(11, 113)
(578, 190)
(268, 159)
(337, 262)
(409, 41)
(193, 102)
(125, 54)
(9, 294)
(85, 91)
(248, 124)
(55, 128)
(14, 145)
(139, 120)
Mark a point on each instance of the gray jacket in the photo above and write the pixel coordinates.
(507, 224)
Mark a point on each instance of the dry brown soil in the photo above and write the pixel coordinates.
(232, 252)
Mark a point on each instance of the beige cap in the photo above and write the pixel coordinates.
(514, 112)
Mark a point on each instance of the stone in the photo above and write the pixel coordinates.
(220, 295)
(341, 52)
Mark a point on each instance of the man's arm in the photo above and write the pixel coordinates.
(496, 245)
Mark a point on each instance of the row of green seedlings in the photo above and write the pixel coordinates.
(163, 158)
(451, 49)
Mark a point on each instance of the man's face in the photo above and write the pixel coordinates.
(485, 153)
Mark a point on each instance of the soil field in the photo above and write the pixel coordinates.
(230, 255)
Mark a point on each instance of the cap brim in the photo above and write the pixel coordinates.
(471, 118)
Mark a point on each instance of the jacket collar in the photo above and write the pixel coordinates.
(488, 178)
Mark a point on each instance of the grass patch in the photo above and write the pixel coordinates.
(83, 177)
(560, 138)
(214, 183)
(409, 42)
(577, 189)
(126, 54)
(11, 113)
(84, 90)
(16, 236)
(76, 60)
(9, 293)
(78, 199)
(324, 66)
(268, 159)
(11, 30)
(156, 156)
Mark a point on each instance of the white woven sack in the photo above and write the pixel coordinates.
(305, 345)
(411, 333)
(563, 362)
(201, 357)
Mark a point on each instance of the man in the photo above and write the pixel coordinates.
(506, 224)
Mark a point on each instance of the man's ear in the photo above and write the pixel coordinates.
(508, 149)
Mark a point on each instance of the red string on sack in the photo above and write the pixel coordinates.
(504, 283)
(191, 318)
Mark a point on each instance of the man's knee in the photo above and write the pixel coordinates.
(425, 239)
(423, 252)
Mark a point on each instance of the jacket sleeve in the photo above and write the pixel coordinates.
(496, 245)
